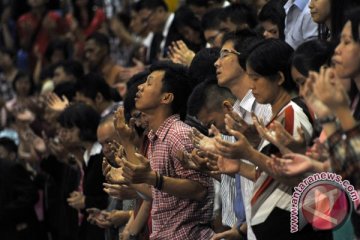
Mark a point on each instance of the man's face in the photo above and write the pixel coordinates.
(208, 117)
(154, 18)
(60, 76)
(94, 53)
(213, 37)
(80, 97)
(149, 94)
(105, 135)
(228, 69)
(70, 137)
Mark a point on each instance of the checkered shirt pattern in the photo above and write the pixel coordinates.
(175, 218)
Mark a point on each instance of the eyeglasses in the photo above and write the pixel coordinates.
(226, 52)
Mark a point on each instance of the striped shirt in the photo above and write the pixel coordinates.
(244, 108)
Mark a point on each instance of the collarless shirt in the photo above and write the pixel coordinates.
(172, 217)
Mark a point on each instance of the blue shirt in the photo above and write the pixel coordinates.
(299, 26)
(239, 203)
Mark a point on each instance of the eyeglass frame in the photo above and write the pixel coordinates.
(226, 52)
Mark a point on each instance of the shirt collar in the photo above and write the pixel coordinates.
(163, 129)
(301, 4)
(168, 23)
(95, 149)
(245, 104)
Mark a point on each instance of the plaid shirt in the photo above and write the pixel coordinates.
(177, 218)
(344, 149)
(6, 90)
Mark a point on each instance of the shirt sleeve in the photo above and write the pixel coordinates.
(183, 143)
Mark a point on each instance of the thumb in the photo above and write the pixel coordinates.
(141, 158)
(219, 236)
(214, 130)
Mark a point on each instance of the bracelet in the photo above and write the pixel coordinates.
(160, 183)
(325, 120)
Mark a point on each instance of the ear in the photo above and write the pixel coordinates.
(167, 98)
(227, 106)
(281, 79)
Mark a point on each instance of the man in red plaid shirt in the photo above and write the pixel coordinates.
(182, 199)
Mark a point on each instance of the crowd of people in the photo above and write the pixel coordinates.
(177, 119)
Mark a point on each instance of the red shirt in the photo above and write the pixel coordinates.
(174, 218)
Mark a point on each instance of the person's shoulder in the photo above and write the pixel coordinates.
(178, 129)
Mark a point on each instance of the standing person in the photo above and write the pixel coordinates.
(18, 195)
(299, 26)
(182, 199)
(79, 125)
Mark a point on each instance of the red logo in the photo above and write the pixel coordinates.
(325, 206)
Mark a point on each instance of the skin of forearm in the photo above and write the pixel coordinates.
(130, 152)
(181, 188)
(248, 171)
(141, 218)
(143, 189)
(345, 117)
(260, 159)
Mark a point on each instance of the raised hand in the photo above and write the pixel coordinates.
(318, 151)
(180, 53)
(56, 103)
(221, 165)
(235, 122)
(311, 99)
(137, 173)
(329, 89)
(112, 174)
(293, 164)
(126, 133)
(237, 150)
(76, 200)
(119, 191)
(186, 161)
(201, 141)
(278, 136)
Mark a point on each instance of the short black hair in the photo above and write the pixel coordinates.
(198, 3)
(21, 75)
(59, 45)
(211, 19)
(202, 66)
(208, 95)
(175, 81)
(239, 14)
(9, 145)
(271, 56)
(67, 89)
(241, 40)
(274, 12)
(83, 117)
(91, 84)
(354, 17)
(129, 101)
(100, 39)
(154, 4)
(311, 55)
(72, 67)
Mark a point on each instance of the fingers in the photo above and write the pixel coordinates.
(142, 159)
(213, 130)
